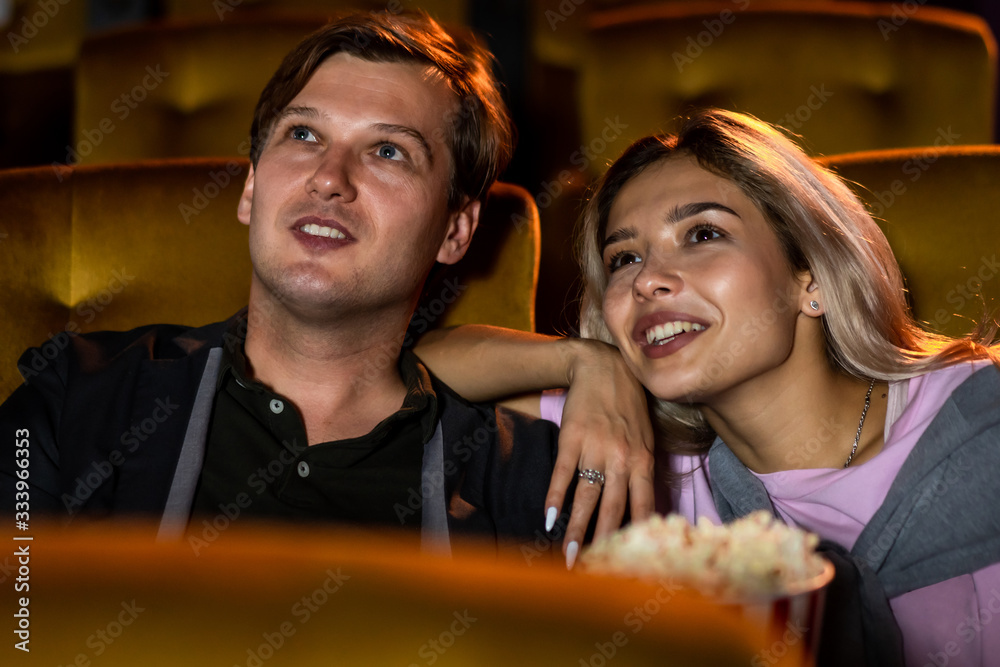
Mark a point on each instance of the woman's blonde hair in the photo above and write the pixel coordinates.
(821, 226)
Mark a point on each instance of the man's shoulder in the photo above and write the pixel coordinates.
(92, 352)
(488, 412)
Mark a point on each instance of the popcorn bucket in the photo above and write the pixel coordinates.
(791, 621)
(757, 566)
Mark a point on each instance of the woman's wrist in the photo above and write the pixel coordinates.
(582, 353)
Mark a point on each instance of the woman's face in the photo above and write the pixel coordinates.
(700, 299)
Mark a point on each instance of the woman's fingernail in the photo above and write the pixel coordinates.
(550, 518)
(571, 554)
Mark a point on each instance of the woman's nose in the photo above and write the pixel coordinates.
(656, 279)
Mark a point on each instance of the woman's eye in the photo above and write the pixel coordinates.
(303, 134)
(621, 259)
(389, 152)
(702, 234)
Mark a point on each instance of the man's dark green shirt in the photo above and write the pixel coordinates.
(258, 461)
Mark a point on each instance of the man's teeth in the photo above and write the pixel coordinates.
(317, 230)
(662, 332)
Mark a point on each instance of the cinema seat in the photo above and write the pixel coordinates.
(117, 246)
(940, 209)
(846, 76)
(183, 88)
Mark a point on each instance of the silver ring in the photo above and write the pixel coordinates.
(592, 476)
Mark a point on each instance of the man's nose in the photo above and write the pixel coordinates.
(334, 176)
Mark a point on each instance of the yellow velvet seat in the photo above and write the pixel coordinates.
(847, 76)
(178, 89)
(40, 46)
(453, 11)
(260, 595)
(940, 209)
(42, 36)
(117, 246)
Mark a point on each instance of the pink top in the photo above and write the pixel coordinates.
(837, 503)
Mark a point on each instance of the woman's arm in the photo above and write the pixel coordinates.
(605, 425)
(486, 363)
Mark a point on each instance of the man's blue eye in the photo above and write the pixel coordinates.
(388, 151)
(302, 134)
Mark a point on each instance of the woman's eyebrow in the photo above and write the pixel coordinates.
(619, 235)
(681, 212)
(675, 215)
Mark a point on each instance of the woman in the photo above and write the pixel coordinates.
(759, 303)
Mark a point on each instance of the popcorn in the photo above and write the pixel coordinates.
(756, 556)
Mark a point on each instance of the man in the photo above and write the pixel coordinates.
(372, 148)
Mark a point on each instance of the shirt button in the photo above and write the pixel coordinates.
(277, 406)
(303, 469)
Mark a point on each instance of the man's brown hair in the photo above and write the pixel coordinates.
(478, 132)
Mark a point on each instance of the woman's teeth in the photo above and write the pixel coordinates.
(661, 333)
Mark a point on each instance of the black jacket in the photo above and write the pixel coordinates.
(116, 426)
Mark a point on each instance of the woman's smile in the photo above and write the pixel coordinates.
(691, 263)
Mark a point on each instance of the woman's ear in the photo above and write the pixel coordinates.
(811, 297)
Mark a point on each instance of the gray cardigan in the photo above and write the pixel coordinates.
(926, 531)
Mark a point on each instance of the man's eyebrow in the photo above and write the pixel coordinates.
(675, 215)
(308, 112)
(390, 128)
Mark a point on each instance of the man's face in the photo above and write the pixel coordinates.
(347, 205)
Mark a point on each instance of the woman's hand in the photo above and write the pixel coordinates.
(605, 424)
(606, 428)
